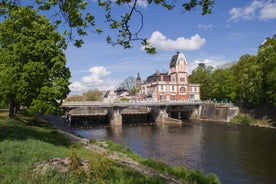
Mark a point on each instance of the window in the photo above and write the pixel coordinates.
(172, 87)
(195, 89)
(182, 79)
(182, 90)
(173, 97)
(162, 87)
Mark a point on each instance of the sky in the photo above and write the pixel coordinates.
(235, 28)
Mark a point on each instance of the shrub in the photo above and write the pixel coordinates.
(124, 99)
(243, 119)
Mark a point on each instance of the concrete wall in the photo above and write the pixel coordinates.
(218, 112)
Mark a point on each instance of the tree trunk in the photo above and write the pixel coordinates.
(17, 107)
(11, 110)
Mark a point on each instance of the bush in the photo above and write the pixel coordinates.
(124, 99)
(243, 119)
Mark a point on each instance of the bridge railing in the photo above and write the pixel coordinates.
(129, 103)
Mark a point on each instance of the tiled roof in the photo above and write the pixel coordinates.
(157, 77)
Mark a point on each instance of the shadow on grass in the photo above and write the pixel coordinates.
(12, 129)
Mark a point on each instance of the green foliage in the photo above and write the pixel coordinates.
(223, 85)
(248, 79)
(267, 61)
(124, 99)
(91, 95)
(76, 98)
(92, 141)
(252, 79)
(79, 19)
(183, 174)
(203, 75)
(121, 174)
(33, 70)
(23, 143)
(243, 119)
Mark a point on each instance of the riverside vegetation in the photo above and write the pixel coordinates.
(32, 151)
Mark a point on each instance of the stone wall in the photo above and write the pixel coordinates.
(218, 112)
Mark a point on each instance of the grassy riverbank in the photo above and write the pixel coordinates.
(263, 116)
(26, 146)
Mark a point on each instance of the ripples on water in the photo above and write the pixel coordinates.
(237, 154)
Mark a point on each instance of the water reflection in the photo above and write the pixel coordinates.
(237, 154)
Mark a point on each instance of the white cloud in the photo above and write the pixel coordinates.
(208, 62)
(98, 73)
(205, 26)
(142, 3)
(262, 10)
(96, 80)
(160, 42)
(269, 11)
(77, 86)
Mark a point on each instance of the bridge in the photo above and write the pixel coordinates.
(128, 103)
(159, 111)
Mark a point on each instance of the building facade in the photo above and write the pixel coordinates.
(171, 86)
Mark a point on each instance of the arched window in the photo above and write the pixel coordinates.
(182, 90)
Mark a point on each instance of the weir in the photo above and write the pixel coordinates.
(218, 112)
(118, 113)
(86, 113)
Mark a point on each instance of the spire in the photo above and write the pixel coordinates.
(138, 82)
(138, 77)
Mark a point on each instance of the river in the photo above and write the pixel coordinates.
(237, 154)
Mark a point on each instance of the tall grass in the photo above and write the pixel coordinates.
(24, 143)
(242, 118)
(180, 173)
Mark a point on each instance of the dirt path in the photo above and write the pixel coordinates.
(58, 123)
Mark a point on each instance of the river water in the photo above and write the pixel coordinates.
(237, 154)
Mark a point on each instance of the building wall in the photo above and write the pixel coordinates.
(176, 88)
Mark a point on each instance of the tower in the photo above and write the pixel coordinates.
(138, 82)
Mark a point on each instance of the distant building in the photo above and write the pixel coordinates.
(109, 95)
(138, 82)
(171, 86)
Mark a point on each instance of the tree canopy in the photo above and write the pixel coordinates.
(33, 70)
(79, 18)
(128, 83)
(252, 79)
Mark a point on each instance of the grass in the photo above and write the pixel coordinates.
(24, 143)
(183, 174)
(248, 119)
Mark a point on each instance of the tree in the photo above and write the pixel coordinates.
(266, 59)
(248, 80)
(223, 85)
(202, 75)
(93, 95)
(33, 70)
(79, 19)
(128, 83)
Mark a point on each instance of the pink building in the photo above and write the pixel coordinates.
(173, 85)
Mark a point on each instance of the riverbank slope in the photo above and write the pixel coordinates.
(263, 116)
(43, 150)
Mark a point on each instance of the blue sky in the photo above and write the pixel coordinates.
(235, 28)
